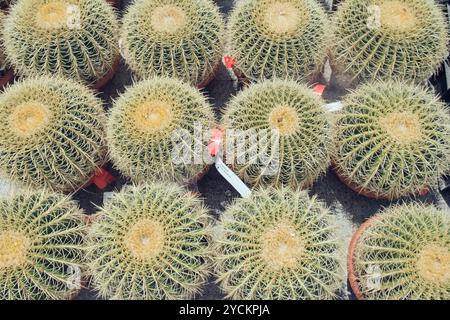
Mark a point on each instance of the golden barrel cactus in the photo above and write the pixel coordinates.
(150, 242)
(402, 253)
(280, 244)
(41, 247)
(51, 133)
(392, 139)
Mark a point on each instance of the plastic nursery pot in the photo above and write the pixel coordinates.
(8, 77)
(352, 279)
(368, 194)
(197, 177)
(210, 77)
(102, 82)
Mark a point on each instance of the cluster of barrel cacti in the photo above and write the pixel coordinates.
(155, 238)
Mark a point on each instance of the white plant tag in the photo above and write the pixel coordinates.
(232, 178)
(107, 196)
(7, 189)
(334, 106)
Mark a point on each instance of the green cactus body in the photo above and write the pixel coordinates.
(76, 39)
(173, 38)
(51, 133)
(385, 39)
(294, 134)
(278, 38)
(279, 244)
(41, 247)
(150, 242)
(142, 127)
(393, 139)
(405, 254)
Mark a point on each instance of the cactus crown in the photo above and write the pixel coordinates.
(274, 38)
(393, 139)
(293, 131)
(405, 254)
(385, 39)
(279, 244)
(51, 133)
(150, 242)
(41, 246)
(76, 39)
(173, 38)
(142, 125)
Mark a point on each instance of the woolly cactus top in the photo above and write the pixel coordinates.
(173, 38)
(279, 244)
(41, 247)
(294, 130)
(390, 39)
(51, 133)
(150, 242)
(405, 254)
(71, 38)
(393, 139)
(144, 125)
(274, 38)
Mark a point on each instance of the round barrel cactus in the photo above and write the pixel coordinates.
(174, 38)
(76, 39)
(155, 130)
(280, 244)
(385, 39)
(278, 38)
(285, 133)
(393, 139)
(41, 247)
(51, 133)
(403, 253)
(150, 242)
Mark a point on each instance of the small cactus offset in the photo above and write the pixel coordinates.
(144, 123)
(405, 254)
(51, 133)
(393, 139)
(280, 244)
(294, 134)
(41, 247)
(76, 39)
(174, 38)
(278, 38)
(385, 39)
(150, 242)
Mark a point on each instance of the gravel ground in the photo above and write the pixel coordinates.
(216, 192)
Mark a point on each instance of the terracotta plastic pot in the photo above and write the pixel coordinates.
(102, 82)
(368, 194)
(353, 280)
(8, 77)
